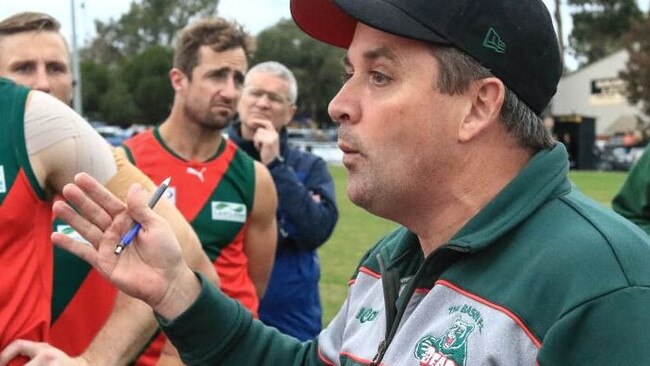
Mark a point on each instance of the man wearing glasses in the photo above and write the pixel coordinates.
(307, 210)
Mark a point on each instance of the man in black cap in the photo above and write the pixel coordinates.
(498, 259)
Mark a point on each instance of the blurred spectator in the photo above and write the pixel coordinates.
(307, 210)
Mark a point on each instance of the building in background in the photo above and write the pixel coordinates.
(597, 91)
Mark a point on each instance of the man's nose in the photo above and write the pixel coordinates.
(231, 90)
(263, 101)
(41, 81)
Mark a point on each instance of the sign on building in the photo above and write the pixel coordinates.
(607, 91)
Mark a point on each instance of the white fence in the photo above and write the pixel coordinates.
(326, 150)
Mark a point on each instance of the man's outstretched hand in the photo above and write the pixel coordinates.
(38, 354)
(151, 268)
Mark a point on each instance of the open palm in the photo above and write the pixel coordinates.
(145, 268)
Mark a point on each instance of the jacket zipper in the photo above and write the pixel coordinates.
(394, 308)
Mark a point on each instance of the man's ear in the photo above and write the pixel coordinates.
(486, 97)
(177, 78)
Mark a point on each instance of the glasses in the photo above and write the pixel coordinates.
(272, 97)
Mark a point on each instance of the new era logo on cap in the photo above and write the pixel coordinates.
(493, 41)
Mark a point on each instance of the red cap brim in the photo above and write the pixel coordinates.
(324, 21)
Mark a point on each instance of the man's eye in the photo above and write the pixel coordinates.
(219, 75)
(256, 93)
(379, 78)
(57, 70)
(24, 69)
(275, 98)
(239, 80)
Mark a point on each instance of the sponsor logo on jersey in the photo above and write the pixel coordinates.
(447, 349)
(366, 315)
(196, 172)
(3, 184)
(68, 231)
(228, 211)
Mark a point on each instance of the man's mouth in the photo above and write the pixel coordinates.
(346, 148)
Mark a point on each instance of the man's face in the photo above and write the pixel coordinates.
(210, 98)
(397, 132)
(38, 60)
(266, 97)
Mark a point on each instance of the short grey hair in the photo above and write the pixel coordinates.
(458, 70)
(279, 70)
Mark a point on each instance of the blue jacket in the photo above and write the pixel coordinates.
(292, 301)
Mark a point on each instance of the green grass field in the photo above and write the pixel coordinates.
(357, 230)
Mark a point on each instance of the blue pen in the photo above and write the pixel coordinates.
(135, 228)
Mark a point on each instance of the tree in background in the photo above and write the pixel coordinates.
(125, 67)
(147, 23)
(598, 26)
(96, 78)
(637, 72)
(147, 79)
(317, 66)
(141, 93)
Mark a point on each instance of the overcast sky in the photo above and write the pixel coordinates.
(255, 15)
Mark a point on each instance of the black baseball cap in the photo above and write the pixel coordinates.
(514, 39)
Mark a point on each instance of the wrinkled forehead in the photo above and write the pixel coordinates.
(261, 79)
(34, 43)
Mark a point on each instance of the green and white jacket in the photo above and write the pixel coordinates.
(541, 275)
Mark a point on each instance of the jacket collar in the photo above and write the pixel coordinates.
(541, 180)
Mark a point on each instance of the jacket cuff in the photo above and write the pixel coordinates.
(207, 325)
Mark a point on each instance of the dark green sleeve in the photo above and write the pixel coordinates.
(217, 330)
(610, 330)
(633, 201)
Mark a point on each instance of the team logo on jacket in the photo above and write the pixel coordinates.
(228, 211)
(366, 315)
(3, 185)
(448, 349)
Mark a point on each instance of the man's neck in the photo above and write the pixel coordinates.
(189, 140)
(480, 180)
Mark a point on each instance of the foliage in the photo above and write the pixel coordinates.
(116, 106)
(125, 67)
(137, 90)
(637, 71)
(147, 23)
(96, 82)
(147, 80)
(317, 66)
(598, 26)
